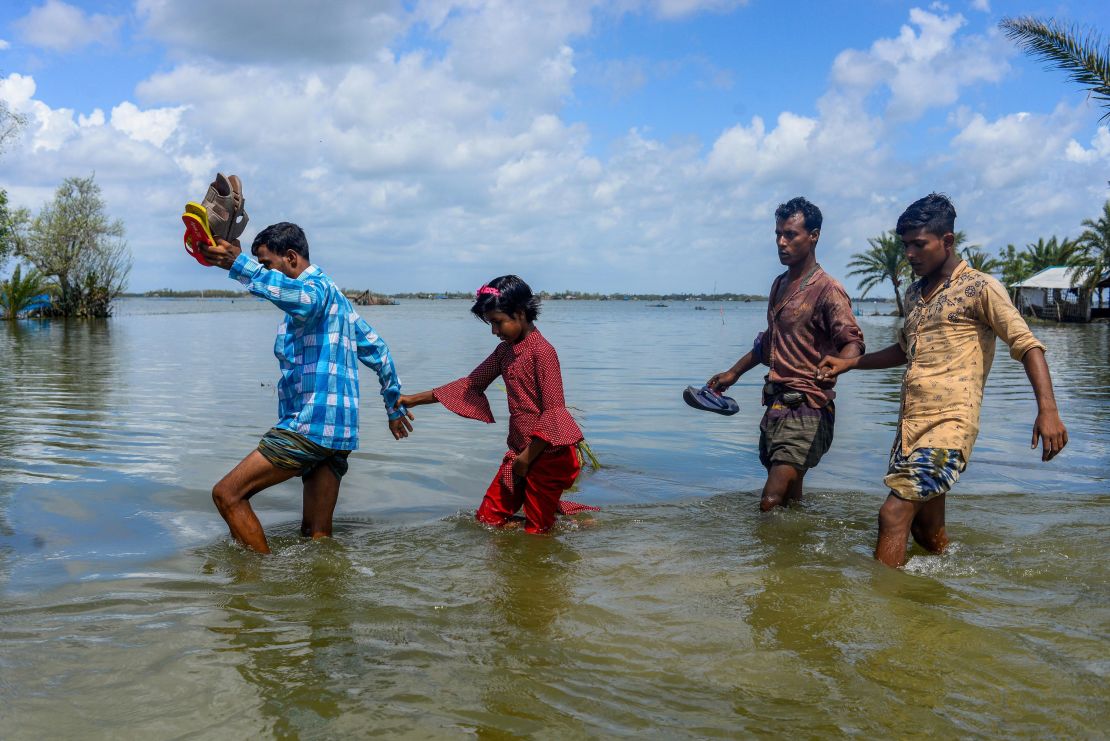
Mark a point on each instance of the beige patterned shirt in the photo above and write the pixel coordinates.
(949, 346)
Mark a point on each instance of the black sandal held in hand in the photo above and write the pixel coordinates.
(708, 400)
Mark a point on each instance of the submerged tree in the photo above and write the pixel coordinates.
(1080, 52)
(885, 260)
(73, 241)
(10, 125)
(7, 230)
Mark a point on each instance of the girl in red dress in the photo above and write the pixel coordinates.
(543, 458)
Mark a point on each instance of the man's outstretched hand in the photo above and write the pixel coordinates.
(223, 254)
(831, 366)
(402, 426)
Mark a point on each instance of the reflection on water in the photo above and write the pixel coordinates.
(679, 611)
(288, 627)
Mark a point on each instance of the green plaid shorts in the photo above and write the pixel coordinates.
(289, 450)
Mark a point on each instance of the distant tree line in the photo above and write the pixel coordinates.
(588, 296)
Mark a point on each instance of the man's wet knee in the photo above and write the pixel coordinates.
(224, 496)
(768, 503)
(895, 514)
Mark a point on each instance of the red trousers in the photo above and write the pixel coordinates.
(538, 493)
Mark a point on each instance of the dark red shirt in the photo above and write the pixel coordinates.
(811, 322)
(534, 384)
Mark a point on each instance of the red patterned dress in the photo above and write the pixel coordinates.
(537, 408)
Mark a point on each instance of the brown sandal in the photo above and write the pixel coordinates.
(224, 202)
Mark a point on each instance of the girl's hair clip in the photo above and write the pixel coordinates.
(487, 290)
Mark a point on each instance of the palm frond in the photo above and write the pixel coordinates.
(1078, 51)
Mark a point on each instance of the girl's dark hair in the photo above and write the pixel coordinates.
(513, 295)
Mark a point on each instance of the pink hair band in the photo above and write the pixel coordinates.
(490, 290)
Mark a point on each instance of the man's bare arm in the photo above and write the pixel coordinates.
(1048, 428)
(889, 357)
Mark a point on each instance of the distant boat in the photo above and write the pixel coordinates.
(699, 308)
(657, 306)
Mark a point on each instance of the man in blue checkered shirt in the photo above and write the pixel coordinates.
(317, 346)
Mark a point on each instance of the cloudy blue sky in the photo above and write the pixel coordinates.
(609, 145)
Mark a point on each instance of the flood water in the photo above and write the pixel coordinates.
(677, 611)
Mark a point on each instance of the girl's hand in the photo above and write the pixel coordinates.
(414, 400)
(521, 465)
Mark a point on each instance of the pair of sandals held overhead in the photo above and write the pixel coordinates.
(221, 215)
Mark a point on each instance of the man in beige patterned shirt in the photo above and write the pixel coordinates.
(947, 345)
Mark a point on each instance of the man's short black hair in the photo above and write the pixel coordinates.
(280, 237)
(513, 295)
(799, 205)
(934, 213)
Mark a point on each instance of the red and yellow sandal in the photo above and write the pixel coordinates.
(197, 233)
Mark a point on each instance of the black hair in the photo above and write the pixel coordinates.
(934, 213)
(280, 237)
(799, 205)
(513, 295)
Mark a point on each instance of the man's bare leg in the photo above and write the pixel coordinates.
(321, 491)
(927, 527)
(232, 497)
(895, 518)
(784, 483)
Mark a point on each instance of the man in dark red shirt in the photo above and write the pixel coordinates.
(809, 315)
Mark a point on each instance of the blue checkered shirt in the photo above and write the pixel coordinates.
(317, 345)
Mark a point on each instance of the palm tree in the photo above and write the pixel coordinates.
(18, 294)
(885, 260)
(979, 260)
(1079, 51)
(958, 242)
(1041, 254)
(1091, 259)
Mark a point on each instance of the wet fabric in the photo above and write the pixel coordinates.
(319, 344)
(949, 344)
(813, 321)
(798, 436)
(534, 385)
(289, 450)
(924, 474)
(538, 493)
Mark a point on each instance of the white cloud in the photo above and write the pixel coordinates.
(154, 126)
(683, 8)
(448, 147)
(1012, 149)
(61, 27)
(96, 118)
(922, 68)
(983, 6)
(4, 44)
(1100, 148)
(289, 32)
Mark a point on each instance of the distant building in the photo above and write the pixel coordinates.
(1054, 293)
